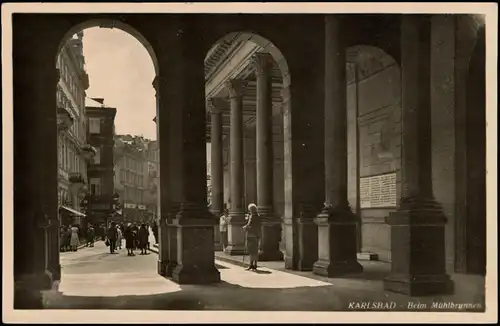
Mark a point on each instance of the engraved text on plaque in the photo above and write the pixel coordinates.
(378, 191)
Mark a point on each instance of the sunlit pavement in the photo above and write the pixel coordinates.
(92, 278)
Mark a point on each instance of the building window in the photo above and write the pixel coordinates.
(95, 186)
(94, 125)
(97, 157)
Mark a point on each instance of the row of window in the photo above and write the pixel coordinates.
(133, 164)
(68, 158)
(133, 195)
(68, 76)
(131, 177)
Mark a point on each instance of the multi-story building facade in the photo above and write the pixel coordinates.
(152, 179)
(73, 151)
(131, 170)
(101, 128)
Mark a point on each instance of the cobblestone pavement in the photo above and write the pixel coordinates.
(92, 278)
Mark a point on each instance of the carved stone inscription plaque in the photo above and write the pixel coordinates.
(378, 191)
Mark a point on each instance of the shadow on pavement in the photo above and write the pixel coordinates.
(226, 296)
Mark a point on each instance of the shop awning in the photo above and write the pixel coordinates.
(72, 211)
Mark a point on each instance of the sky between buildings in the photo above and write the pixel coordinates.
(121, 71)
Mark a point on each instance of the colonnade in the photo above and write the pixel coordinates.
(321, 239)
(333, 229)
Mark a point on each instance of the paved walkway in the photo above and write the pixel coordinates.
(92, 278)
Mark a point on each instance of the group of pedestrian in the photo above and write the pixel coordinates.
(69, 238)
(136, 237)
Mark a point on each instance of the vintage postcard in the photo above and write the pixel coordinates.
(249, 162)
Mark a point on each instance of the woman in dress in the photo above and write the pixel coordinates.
(143, 239)
(252, 228)
(129, 240)
(75, 241)
(119, 237)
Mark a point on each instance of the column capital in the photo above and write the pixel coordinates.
(215, 105)
(236, 87)
(262, 63)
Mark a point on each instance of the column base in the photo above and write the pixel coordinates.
(419, 285)
(195, 261)
(56, 272)
(337, 243)
(308, 244)
(217, 238)
(336, 269)
(236, 235)
(289, 263)
(195, 275)
(270, 241)
(28, 290)
(418, 264)
(161, 268)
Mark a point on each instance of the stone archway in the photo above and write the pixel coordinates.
(79, 105)
(241, 49)
(374, 137)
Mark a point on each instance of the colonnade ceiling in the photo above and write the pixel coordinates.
(231, 59)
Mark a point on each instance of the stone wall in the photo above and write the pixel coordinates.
(375, 97)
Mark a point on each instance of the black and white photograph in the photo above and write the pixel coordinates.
(249, 162)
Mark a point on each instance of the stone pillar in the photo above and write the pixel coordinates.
(217, 177)
(185, 103)
(250, 167)
(36, 173)
(53, 230)
(164, 200)
(418, 226)
(271, 226)
(337, 237)
(236, 236)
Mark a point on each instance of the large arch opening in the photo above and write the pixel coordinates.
(374, 145)
(107, 153)
(476, 159)
(230, 58)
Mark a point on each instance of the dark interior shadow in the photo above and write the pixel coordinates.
(228, 296)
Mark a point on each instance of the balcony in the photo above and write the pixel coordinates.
(76, 177)
(88, 151)
(64, 119)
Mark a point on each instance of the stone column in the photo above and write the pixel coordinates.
(271, 226)
(215, 106)
(236, 236)
(163, 205)
(185, 102)
(36, 168)
(250, 167)
(337, 237)
(53, 231)
(418, 226)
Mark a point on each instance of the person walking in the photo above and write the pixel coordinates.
(112, 235)
(90, 236)
(74, 240)
(129, 240)
(143, 237)
(223, 221)
(119, 237)
(155, 231)
(252, 228)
